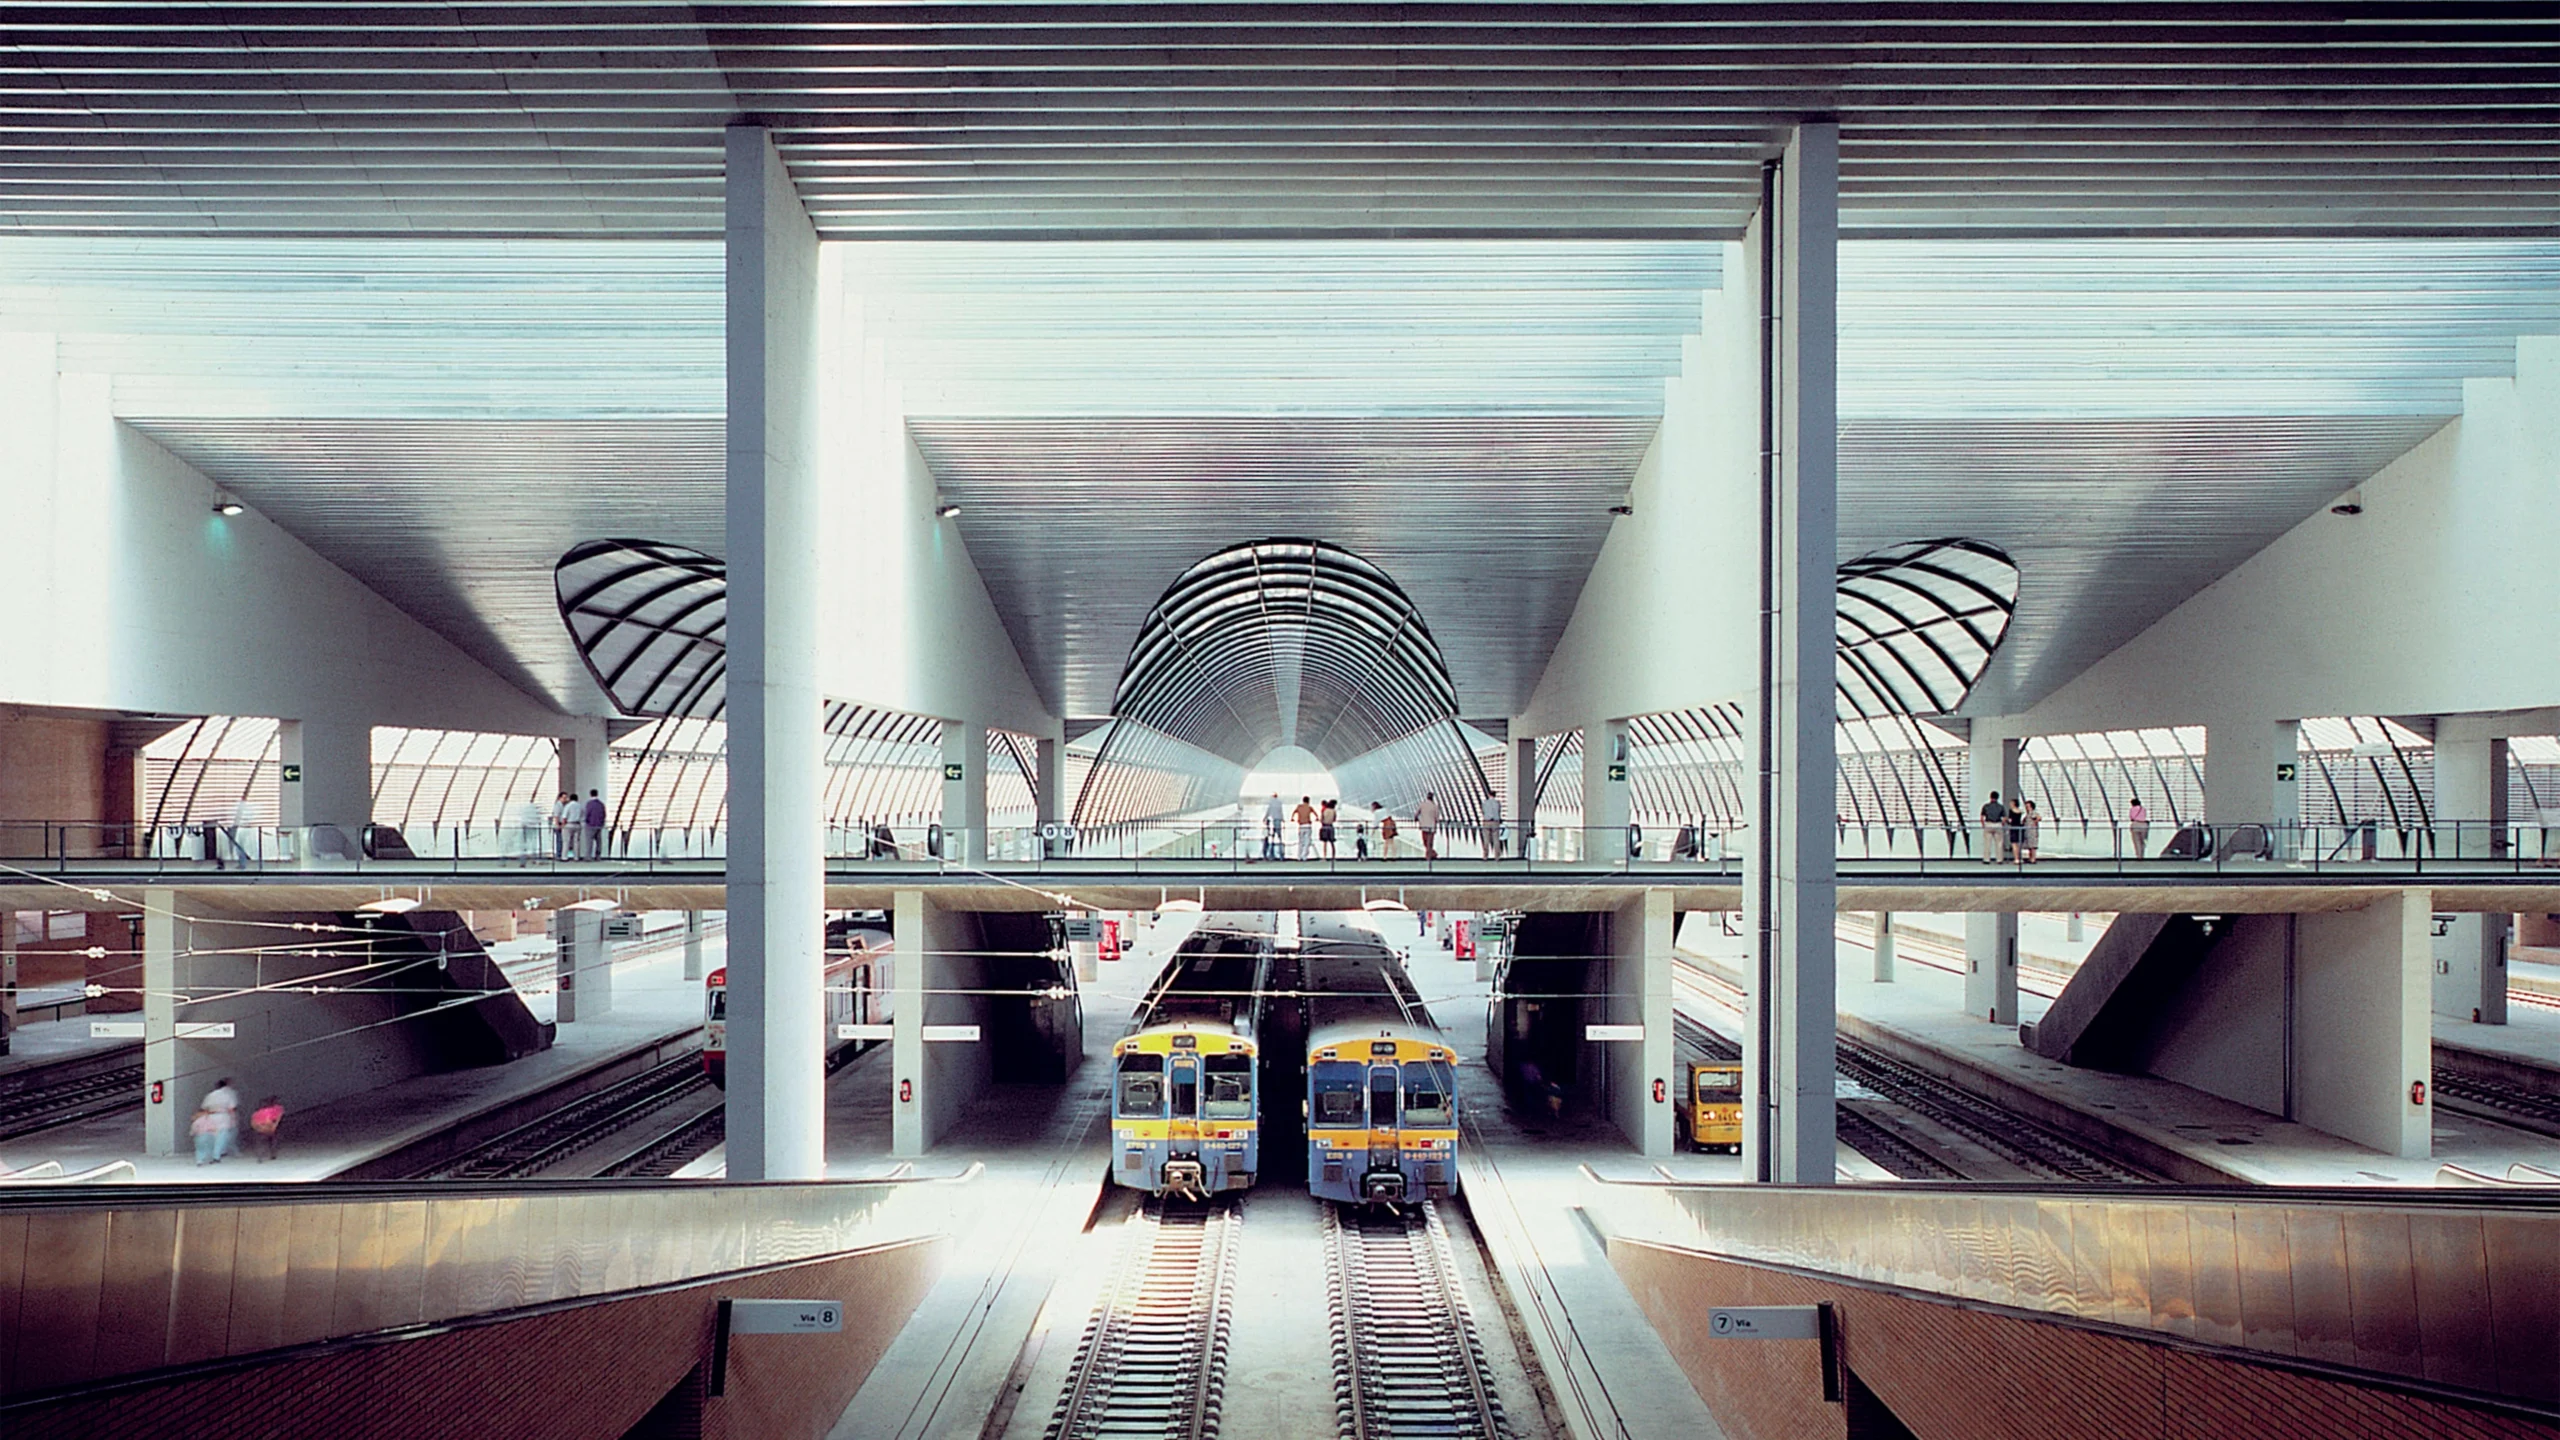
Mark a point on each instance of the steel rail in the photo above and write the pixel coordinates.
(1407, 1358)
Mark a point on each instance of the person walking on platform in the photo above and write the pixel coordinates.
(1326, 818)
(264, 1122)
(1995, 830)
(1360, 834)
(223, 1103)
(1272, 815)
(1426, 818)
(2137, 824)
(1305, 816)
(594, 818)
(206, 1127)
(566, 820)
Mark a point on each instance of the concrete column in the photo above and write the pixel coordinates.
(940, 979)
(1640, 994)
(165, 1112)
(1049, 787)
(2362, 1032)
(693, 944)
(1884, 947)
(1791, 890)
(964, 794)
(585, 976)
(8, 977)
(585, 770)
(1606, 805)
(776, 864)
(327, 779)
(2253, 772)
(1521, 780)
(1991, 967)
(2470, 806)
(1994, 768)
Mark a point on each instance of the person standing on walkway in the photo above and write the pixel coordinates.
(1326, 819)
(206, 1127)
(594, 818)
(2031, 833)
(1493, 846)
(1995, 829)
(1272, 816)
(264, 1122)
(1386, 832)
(2137, 822)
(223, 1103)
(567, 819)
(1305, 816)
(1426, 818)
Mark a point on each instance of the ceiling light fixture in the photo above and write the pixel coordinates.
(2351, 503)
(228, 506)
(391, 905)
(597, 904)
(1622, 509)
(946, 510)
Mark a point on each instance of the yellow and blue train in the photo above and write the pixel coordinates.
(1186, 1101)
(1381, 1080)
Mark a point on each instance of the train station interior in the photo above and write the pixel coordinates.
(1507, 721)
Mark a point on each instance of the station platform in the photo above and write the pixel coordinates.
(1919, 1018)
(653, 1002)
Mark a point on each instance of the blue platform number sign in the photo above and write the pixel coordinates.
(293, 774)
(2285, 772)
(954, 771)
(1617, 769)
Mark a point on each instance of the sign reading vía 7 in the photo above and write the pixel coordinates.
(1765, 1322)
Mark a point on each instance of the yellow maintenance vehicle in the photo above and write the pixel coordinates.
(1709, 1113)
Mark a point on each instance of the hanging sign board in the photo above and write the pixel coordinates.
(863, 1032)
(1084, 927)
(1612, 1032)
(187, 1030)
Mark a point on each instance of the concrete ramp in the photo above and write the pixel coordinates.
(2134, 966)
(491, 1030)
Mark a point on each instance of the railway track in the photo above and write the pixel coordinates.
(1154, 1356)
(2501, 1104)
(2029, 1146)
(1406, 1357)
(538, 1144)
(29, 1102)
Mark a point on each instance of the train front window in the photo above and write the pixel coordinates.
(1229, 1082)
(1186, 1088)
(1337, 1089)
(1142, 1087)
(1382, 1094)
(719, 1005)
(1429, 1087)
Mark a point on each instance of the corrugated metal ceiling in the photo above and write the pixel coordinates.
(1022, 120)
(2127, 418)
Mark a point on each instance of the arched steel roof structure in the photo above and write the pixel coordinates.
(1290, 641)
(651, 621)
(1918, 623)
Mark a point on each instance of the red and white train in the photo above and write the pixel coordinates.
(859, 977)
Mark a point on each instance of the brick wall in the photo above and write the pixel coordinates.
(589, 1373)
(1951, 1373)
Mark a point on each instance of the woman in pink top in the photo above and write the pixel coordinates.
(2138, 820)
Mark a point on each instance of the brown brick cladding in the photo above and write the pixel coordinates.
(593, 1371)
(1952, 1373)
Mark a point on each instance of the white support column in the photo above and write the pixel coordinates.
(326, 779)
(910, 1129)
(1994, 770)
(1049, 787)
(2470, 812)
(1640, 994)
(165, 1112)
(1991, 966)
(776, 868)
(1521, 803)
(1606, 789)
(1791, 892)
(585, 974)
(2253, 774)
(693, 944)
(586, 770)
(1884, 947)
(2363, 1042)
(964, 795)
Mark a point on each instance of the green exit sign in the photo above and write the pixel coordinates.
(2285, 773)
(955, 772)
(293, 774)
(1617, 769)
